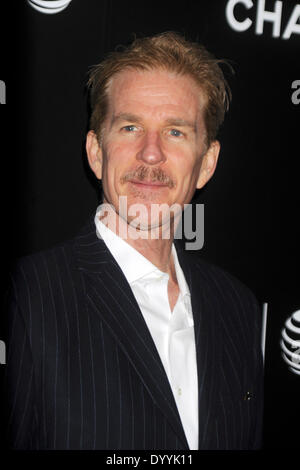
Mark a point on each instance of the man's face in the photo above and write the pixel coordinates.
(153, 141)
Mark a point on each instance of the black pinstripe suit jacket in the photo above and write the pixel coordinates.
(83, 371)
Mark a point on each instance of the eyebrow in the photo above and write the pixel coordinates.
(125, 117)
(172, 121)
(181, 123)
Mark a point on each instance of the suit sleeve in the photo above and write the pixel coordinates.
(19, 391)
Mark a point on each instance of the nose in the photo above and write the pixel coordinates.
(151, 151)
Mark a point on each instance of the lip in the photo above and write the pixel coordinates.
(149, 184)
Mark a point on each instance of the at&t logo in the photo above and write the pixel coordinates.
(290, 342)
(49, 7)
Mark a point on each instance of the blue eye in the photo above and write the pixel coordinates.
(129, 128)
(175, 133)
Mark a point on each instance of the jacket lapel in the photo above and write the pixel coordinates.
(110, 297)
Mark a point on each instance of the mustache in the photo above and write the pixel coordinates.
(143, 173)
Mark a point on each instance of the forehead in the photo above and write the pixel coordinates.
(156, 92)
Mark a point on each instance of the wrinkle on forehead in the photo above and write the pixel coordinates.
(131, 78)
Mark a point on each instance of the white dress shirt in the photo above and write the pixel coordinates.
(172, 331)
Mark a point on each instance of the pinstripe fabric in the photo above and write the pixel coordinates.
(82, 369)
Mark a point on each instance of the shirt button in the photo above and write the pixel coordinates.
(179, 391)
(248, 396)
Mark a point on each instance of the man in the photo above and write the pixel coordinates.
(120, 338)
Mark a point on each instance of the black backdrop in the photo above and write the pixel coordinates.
(251, 204)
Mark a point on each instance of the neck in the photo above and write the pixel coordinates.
(158, 252)
(153, 244)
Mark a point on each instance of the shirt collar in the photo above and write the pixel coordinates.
(133, 264)
(183, 286)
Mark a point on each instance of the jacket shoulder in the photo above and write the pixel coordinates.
(233, 302)
(222, 281)
(34, 271)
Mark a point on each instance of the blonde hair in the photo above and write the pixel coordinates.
(172, 52)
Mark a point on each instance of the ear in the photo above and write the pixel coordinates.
(94, 154)
(209, 163)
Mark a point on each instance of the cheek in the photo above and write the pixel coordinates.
(116, 163)
(187, 176)
(112, 160)
(119, 155)
(186, 165)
